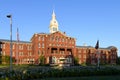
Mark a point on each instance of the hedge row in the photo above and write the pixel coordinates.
(30, 73)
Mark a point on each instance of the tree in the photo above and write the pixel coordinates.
(76, 61)
(42, 60)
(6, 59)
(118, 60)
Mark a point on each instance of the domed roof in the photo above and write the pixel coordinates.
(53, 23)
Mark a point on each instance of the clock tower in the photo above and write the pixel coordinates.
(53, 23)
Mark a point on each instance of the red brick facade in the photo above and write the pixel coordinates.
(21, 51)
(88, 55)
(57, 48)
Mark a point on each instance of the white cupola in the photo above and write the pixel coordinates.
(53, 23)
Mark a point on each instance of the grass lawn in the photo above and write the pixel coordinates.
(86, 78)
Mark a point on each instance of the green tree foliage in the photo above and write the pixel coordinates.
(76, 61)
(42, 60)
(6, 59)
(118, 60)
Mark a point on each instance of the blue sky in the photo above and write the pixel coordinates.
(85, 20)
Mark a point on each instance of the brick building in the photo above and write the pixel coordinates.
(57, 48)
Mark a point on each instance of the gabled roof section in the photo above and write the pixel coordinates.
(38, 34)
(62, 33)
(6, 40)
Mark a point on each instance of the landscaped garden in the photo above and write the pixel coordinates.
(60, 73)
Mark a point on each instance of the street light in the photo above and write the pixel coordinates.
(10, 16)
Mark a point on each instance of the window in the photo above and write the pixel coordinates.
(21, 54)
(39, 38)
(51, 38)
(56, 39)
(0, 45)
(3, 46)
(53, 59)
(42, 38)
(72, 42)
(69, 52)
(30, 54)
(84, 56)
(13, 54)
(63, 52)
(84, 51)
(39, 52)
(79, 56)
(54, 29)
(21, 47)
(63, 40)
(29, 47)
(3, 53)
(13, 46)
(42, 45)
(92, 51)
(38, 45)
(79, 51)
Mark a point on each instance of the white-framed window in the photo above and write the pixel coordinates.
(39, 45)
(84, 56)
(39, 52)
(30, 54)
(69, 52)
(21, 47)
(63, 40)
(79, 56)
(53, 59)
(21, 54)
(4, 53)
(13, 53)
(0, 52)
(42, 45)
(79, 51)
(72, 42)
(13, 46)
(42, 38)
(29, 47)
(39, 38)
(3, 46)
(84, 51)
(61, 52)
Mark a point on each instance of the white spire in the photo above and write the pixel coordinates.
(53, 23)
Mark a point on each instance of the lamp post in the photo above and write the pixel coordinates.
(10, 17)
